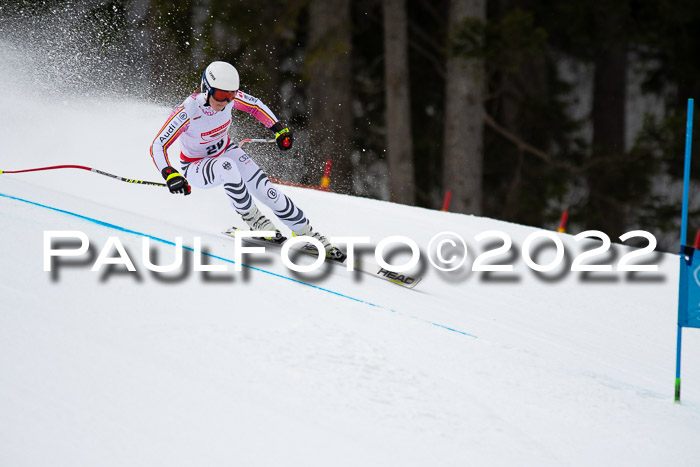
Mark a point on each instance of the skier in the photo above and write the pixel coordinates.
(208, 157)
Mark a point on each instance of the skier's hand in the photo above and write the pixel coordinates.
(176, 182)
(283, 137)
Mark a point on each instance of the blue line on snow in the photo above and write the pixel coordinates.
(167, 242)
(451, 329)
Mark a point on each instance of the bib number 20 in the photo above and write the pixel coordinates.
(214, 148)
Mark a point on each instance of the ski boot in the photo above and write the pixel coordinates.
(332, 252)
(257, 222)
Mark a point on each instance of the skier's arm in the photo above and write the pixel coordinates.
(255, 107)
(177, 123)
(259, 110)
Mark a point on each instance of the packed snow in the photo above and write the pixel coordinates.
(266, 366)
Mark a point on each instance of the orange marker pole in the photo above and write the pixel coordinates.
(562, 223)
(326, 179)
(446, 201)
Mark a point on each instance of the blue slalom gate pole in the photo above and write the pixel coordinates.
(686, 172)
(679, 336)
(683, 288)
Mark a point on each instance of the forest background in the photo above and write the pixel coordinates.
(522, 109)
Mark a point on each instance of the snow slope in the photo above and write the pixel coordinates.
(269, 367)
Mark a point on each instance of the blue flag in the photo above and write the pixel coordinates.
(689, 306)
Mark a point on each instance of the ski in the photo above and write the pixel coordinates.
(367, 267)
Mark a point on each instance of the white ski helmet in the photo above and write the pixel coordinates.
(220, 75)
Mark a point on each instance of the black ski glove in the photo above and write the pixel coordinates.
(176, 182)
(283, 136)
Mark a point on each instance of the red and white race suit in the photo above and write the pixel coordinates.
(208, 158)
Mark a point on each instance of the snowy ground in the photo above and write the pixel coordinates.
(268, 367)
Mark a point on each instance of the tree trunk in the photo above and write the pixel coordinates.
(398, 102)
(464, 119)
(330, 93)
(606, 188)
(528, 83)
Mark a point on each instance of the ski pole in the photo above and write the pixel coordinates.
(82, 167)
(123, 179)
(255, 140)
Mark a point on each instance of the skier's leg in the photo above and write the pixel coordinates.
(264, 191)
(284, 208)
(213, 172)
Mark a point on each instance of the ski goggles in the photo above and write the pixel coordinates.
(223, 96)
